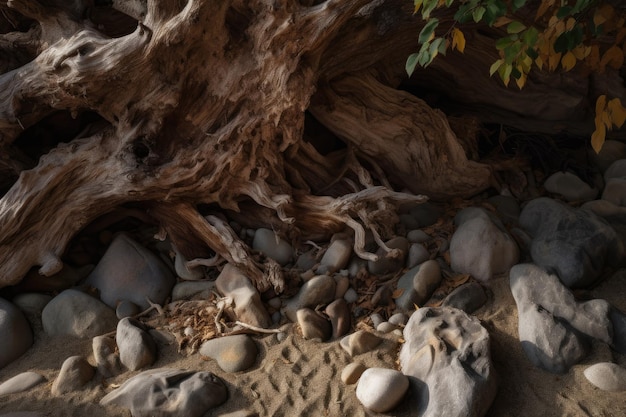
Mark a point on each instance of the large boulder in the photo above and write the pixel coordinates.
(447, 355)
(130, 272)
(575, 243)
(554, 328)
(75, 313)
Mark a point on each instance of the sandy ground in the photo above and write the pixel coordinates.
(302, 378)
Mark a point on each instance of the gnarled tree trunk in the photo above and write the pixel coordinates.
(204, 102)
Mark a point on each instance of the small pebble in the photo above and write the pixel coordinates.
(352, 372)
(399, 319)
(380, 389)
(360, 342)
(339, 314)
(313, 325)
(126, 309)
(232, 353)
(386, 327)
(607, 376)
(75, 372)
(351, 296)
(21, 382)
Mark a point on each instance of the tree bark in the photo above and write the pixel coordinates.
(203, 102)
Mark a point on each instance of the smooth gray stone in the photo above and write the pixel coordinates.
(232, 353)
(307, 260)
(351, 296)
(15, 333)
(552, 324)
(318, 290)
(360, 342)
(21, 382)
(468, 297)
(575, 243)
(570, 187)
(75, 372)
(32, 302)
(169, 393)
(615, 191)
(341, 285)
(75, 313)
(188, 290)
(418, 285)
(106, 357)
(481, 246)
(386, 327)
(607, 376)
(612, 150)
(616, 170)
(126, 309)
(248, 305)
(447, 356)
(340, 317)
(128, 271)
(417, 236)
(387, 264)
(380, 389)
(313, 325)
(399, 319)
(137, 348)
(418, 254)
(267, 242)
(183, 271)
(336, 256)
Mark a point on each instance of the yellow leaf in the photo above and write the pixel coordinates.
(521, 81)
(418, 4)
(603, 14)
(416, 306)
(553, 21)
(593, 60)
(458, 40)
(501, 21)
(569, 25)
(581, 52)
(543, 8)
(614, 57)
(597, 137)
(553, 61)
(617, 111)
(559, 28)
(600, 106)
(568, 61)
(539, 62)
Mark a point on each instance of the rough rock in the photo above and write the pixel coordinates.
(21, 382)
(447, 355)
(385, 263)
(360, 342)
(481, 245)
(128, 271)
(468, 297)
(318, 290)
(15, 333)
(552, 324)
(137, 348)
(418, 284)
(340, 317)
(313, 325)
(106, 357)
(575, 243)
(272, 246)
(336, 256)
(169, 393)
(352, 372)
(75, 313)
(248, 305)
(570, 187)
(75, 372)
(232, 353)
(607, 376)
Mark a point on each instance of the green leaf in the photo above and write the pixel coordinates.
(518, 4)
(449, 3)
(463, 15)
(531, 52)
(424, 58)
(478, 13)
(530, 36)
(428, 30)
(515, 27)
(411, 63)
(563, 12)
(434, 49)
(429, 6)
(494, 67)
(580, 6)
(511, 52)
(503, 43)
(417, 4)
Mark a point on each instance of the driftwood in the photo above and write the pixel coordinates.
(203, 102)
